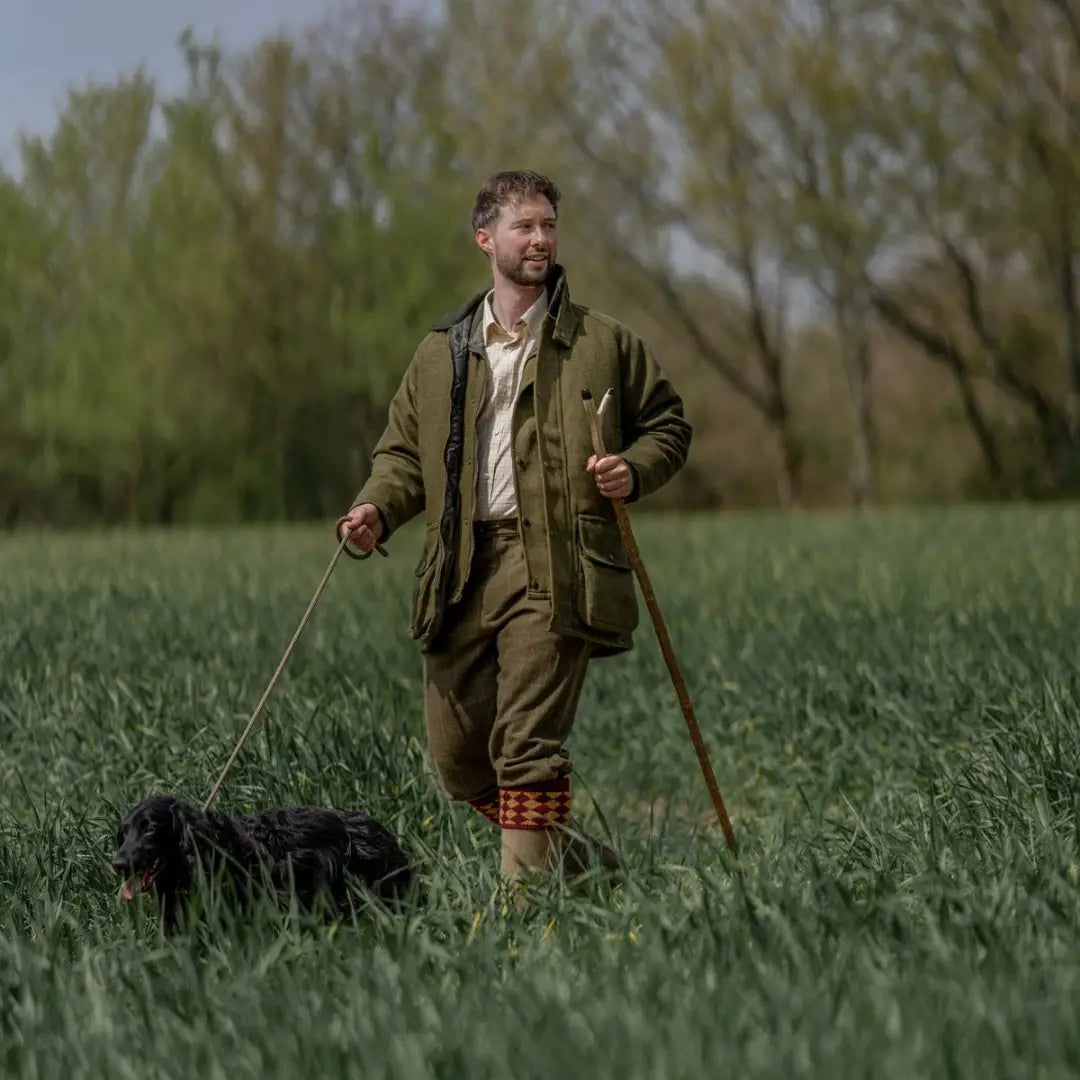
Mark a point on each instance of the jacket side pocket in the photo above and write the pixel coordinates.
(424, 590)
(606, 596)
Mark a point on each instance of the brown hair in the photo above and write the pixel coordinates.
(508, 187)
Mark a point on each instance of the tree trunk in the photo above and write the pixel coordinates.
(857, 359)
(1072, 331)
(789, 469)
(864, 435)
(984, 436)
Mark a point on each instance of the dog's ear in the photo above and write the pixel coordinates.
(182, 829)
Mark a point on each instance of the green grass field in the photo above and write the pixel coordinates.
(891, 707)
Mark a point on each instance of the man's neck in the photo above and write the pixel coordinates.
(511, 301)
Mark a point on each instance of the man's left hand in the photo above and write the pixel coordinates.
(613, 476)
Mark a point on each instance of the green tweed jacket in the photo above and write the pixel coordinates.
(425, 462)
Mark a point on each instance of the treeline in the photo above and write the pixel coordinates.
(849, 227)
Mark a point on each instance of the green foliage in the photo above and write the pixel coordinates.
(889, 701)
(233, 293)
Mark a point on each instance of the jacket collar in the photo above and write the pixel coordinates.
(560, 310)
(459, 314)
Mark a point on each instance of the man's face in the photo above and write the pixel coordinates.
(523, 241)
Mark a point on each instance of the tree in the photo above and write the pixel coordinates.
(86, 403)
(989, 181)
(663, 112)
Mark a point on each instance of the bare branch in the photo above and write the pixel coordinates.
(942, 349)
(1052, 421)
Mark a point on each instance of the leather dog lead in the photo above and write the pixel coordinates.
(636, 562)
(288, 652)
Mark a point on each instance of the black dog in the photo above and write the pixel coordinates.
(164, 846)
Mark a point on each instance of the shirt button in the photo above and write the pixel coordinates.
(527, 523)
(534, 584)
(522, 463)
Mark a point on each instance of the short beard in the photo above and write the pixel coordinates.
(520, 272)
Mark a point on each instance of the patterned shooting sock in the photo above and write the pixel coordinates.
(535, 806)
(487, 805)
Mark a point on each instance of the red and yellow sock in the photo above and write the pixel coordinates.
(487, 805)
(535, 806)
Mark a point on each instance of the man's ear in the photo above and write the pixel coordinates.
(484, 241)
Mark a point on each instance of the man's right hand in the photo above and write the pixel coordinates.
(366, 525)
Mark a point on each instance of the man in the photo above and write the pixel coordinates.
(523, 576)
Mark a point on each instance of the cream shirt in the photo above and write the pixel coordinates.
(506, 353)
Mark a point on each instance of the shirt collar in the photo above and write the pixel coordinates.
(532, 319)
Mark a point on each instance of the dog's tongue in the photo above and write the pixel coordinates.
(127, 890)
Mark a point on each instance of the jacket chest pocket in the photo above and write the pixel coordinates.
(606, 596)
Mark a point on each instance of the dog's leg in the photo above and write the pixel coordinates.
(170, 914)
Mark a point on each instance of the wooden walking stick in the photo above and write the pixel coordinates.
(636, 562)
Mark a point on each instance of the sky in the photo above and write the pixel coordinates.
(48, 45)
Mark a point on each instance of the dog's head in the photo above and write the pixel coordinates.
(154, 845)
